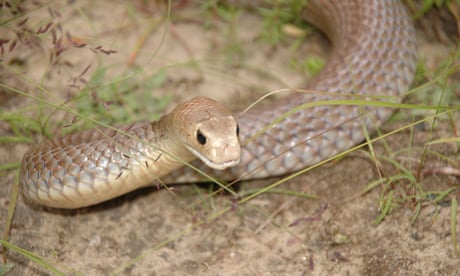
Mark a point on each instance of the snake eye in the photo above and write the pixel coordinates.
(237, 130)
(200, 137)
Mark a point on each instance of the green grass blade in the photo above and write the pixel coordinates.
(453, 223)
(443, 194)
(386, 208)
(5, 268)
(33, 257)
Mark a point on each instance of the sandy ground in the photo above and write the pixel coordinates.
(163, 232)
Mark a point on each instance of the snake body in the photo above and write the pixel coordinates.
(373, 57)
(88, 167)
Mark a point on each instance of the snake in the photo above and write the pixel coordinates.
(373, 59)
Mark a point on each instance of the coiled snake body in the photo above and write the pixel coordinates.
(374, 55)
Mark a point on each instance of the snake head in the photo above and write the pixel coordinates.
(211, 132)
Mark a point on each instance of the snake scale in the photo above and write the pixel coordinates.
(373, 57)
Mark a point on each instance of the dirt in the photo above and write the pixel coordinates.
(162, 232)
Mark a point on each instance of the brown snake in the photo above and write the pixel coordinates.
(373, 58)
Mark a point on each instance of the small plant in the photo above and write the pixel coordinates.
(275, 18)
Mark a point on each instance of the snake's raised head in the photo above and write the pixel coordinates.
(209, 131)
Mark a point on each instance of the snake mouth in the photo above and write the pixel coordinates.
(210, 163)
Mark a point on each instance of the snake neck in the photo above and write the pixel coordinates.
(168, 138)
